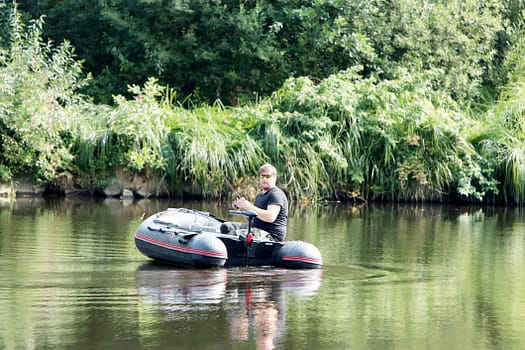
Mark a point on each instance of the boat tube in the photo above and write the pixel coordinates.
(192, 238)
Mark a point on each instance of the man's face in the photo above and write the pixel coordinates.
(267, 180)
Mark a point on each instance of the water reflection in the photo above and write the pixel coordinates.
(177, 291)
(253, 299)
(395, 277)
(256, 300)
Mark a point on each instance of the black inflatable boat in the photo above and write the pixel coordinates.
(192, 238)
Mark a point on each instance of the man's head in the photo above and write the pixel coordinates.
(267, 176)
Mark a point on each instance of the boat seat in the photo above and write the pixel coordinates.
(232, 227)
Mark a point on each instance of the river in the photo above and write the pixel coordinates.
(394, 277)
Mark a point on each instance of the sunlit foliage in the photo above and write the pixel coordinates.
(38, 80)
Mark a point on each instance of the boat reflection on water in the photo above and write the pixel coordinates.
(257, 300)
(180, 290)
(252, 299)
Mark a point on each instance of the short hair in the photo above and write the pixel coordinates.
(268, 167)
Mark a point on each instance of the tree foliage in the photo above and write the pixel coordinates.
(236, 49)
(37, 81)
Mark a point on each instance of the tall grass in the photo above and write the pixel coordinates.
(204, 148)
(510, 117)
(391, 140)
(208, 149)
(131, 134)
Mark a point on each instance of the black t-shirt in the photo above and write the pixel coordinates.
(277, 228)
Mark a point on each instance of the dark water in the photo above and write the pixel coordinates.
(395, 277)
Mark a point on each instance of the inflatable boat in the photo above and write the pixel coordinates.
(192, 238)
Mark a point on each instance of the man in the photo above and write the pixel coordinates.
(271, 205)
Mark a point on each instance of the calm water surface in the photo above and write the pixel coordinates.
(395, 277)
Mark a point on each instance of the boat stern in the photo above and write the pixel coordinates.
(299, 255)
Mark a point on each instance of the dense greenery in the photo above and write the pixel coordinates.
(237, 49)
(410, 100)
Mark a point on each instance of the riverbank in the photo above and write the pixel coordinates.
(118, 185)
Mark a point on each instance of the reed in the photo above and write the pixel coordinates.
(389, 139)
(132, 134)
(510, 120)
(208, 148)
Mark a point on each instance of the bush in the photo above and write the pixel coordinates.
(37, 84)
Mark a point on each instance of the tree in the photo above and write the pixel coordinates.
(240, 49)
(37, 81)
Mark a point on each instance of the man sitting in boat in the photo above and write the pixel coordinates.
(271, 206)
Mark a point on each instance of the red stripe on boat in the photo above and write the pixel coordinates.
(180, 248)
(302, 258)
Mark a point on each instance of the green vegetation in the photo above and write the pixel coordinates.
(412, 101)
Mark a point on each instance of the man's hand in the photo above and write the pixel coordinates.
(242, 204)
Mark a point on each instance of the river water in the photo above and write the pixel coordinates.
(394, 277)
